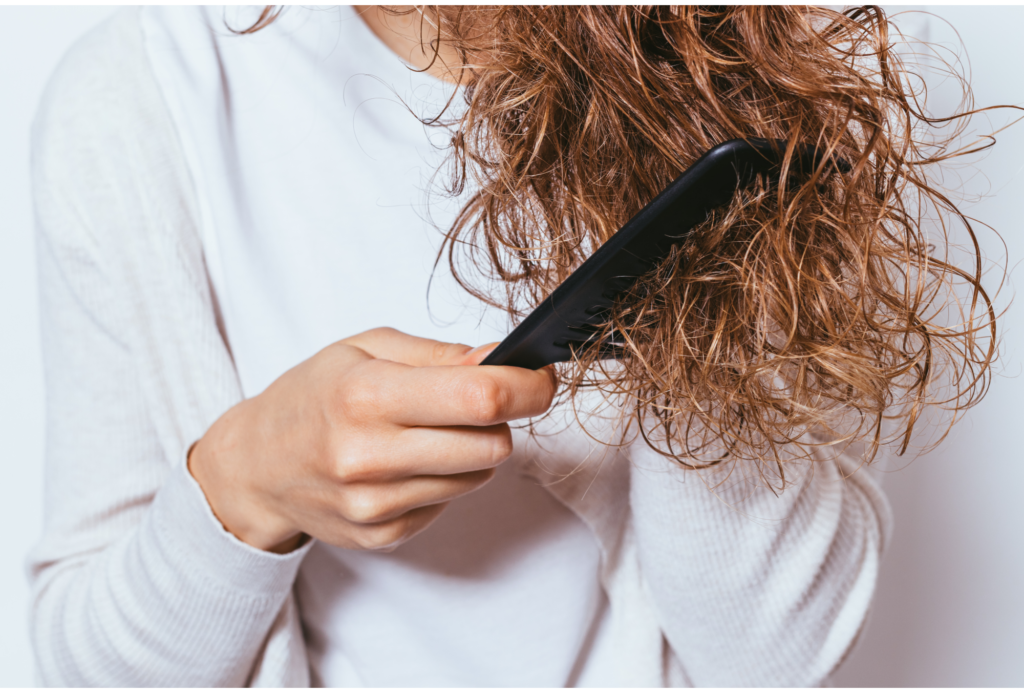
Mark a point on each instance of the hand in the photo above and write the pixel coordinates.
(364, 444)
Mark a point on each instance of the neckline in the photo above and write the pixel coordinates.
(385, 52)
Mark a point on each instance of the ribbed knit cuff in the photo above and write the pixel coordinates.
(194, 537)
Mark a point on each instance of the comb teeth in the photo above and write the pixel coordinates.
(581, 332)
(606, 350)
(621, 282)
(569, 317)
(577, 343)
(585, 331)
(617, 286)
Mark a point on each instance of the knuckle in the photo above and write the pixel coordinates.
(385, 537)
(360, 397)
(485, 400)
(439, 352)
(501, 445)
(444, 352)
(352, 464)
(364, 506)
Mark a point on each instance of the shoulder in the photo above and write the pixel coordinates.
(105, 152)
(96, 84)
(109, 70)
(103, 100)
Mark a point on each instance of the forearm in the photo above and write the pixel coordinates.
(175, 602)
(755, 589)
(134, 581)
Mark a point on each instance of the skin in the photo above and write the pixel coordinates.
(405, 30)
(365, 444)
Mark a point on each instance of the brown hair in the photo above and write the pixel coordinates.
(819, 304)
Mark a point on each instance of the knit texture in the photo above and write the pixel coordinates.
(136, 583)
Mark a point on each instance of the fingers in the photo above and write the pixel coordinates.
(475, 356)
(382, 516)
(386, 536)
(370, 504)
(423, 450)
(445, 395)
(393, 345)
(479, 397)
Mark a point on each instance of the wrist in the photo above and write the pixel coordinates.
(230, 492)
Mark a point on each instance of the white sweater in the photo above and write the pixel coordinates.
(136, 583)
(315, 178)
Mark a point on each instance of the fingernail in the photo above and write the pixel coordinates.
(482, 347)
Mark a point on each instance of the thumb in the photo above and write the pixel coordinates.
(392, 345)
(473, 357)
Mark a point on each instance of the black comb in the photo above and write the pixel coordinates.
(568, 318)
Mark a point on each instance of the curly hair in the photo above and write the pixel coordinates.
(821, 304)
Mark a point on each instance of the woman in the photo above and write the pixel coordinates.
(235, 497)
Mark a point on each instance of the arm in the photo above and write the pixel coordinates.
(751, 588)
(134, 580)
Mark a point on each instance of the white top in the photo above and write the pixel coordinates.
(317, 188)
(134, 580)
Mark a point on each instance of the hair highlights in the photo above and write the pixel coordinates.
(819, 304)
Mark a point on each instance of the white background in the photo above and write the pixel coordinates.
(950, 604)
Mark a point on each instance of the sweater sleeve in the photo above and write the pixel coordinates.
(135, 582)
(754, 587)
